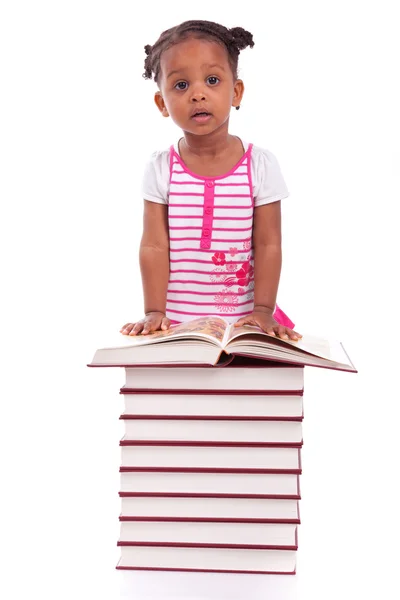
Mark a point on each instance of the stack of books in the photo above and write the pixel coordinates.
(211, 455)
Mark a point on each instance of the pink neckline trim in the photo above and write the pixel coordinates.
(201, 177)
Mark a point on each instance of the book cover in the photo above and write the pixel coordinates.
(220, 560)
(267, 536)
(213, 429)
(273, 379)
(229, 405)
(206, 457)
(210, 509)
(203, 485)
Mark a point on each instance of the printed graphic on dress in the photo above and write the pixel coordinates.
(231, 274)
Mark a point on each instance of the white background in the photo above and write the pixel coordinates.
(78, 123)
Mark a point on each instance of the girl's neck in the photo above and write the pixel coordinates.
(207, 147)
(210, 157)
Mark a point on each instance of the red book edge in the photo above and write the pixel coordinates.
(120, 568)
(201, 545)
(208, 495)
(212, 444)
(164, 519)
(152, 417)
(211, 392)
(154, 366)
(286, 363)
(295, 471)
(260, 364)
(290, 363)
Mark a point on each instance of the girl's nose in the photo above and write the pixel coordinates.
(198, 96)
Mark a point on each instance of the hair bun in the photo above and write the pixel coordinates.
(241, 37)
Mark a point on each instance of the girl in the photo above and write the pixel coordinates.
(211, 240)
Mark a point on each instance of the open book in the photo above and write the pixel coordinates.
(214, 341)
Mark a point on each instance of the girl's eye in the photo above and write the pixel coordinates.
(181, 85)
(212, 80)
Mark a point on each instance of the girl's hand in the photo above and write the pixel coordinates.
(153, 321)
(267, 323)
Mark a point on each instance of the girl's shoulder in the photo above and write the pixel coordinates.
(159, 156)
(158, 162)
(262, 157)
(268, 182)
(155, 182)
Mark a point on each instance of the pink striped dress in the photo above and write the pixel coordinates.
(211, 254)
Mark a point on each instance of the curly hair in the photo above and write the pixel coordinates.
(234, 40)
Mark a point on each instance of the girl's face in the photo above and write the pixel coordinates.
(197, 88)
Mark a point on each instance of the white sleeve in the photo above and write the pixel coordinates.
(155, 183)
(268, 183)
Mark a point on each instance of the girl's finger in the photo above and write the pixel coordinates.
(150, 326)
(293, 335)
(243, 321)
(282, 332)
(126, 326)
(165, 323)
(137, 328)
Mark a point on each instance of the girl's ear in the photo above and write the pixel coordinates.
(159, 100)
(238, 91)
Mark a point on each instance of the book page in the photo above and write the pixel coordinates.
(210, 329)
(308, 343)
(234, 332)
(331, 350)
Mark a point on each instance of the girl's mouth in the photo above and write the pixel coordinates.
(201, 116)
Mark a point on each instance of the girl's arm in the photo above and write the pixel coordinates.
(267, 248)
(267, 270)
(154, 267)
(154, 257)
